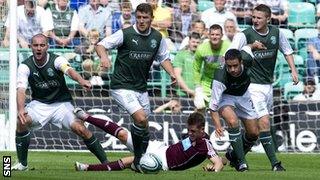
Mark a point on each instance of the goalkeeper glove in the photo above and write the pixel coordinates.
(199, 98)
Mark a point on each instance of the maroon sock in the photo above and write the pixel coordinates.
(108, 126)
(111, 166)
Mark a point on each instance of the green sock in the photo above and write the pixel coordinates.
(236, 143)
(22, 145)
(95, 147)
(247, 143)
(267, 143)
(139, 134)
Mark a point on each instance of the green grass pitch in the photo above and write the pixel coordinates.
(60, 165)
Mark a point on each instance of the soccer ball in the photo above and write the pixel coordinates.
(150, 163)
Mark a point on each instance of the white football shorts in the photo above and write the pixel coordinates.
(131, 101)
(59, 114)
(262, 98)
(243, 106)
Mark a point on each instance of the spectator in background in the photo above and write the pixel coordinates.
(279, 11)
(310, 92)
(217, 15)
(66, 23)
(90, 66)
(242, 9)
(230, 28)
(119, 18)
(114, 5)
(182, 19)
(313, 60)
(4, 7)
(209, 57)
(198, 27)
(162, 18)
(31, 20)
(183, 66)
(95, 16)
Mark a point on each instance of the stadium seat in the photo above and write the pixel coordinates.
(204, 5)
(291, 90)
(301, 14)
(302, 36)
(282, 73)
(289, 35)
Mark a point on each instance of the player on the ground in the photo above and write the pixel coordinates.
(261, 73)
(51, 100)
(138, 46)
(231, 100)
(185, 154)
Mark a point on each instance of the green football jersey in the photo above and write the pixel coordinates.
(235, 86)
(47, 83)
(134, 59)
(206, 62)
(184, 60)
(263, 65)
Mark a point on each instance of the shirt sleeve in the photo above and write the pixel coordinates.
(238, 41)
(112, 41)
(163, 53)
(216, 93)
(211, 152)
(22, 78)
(284, 44)
(62, 64)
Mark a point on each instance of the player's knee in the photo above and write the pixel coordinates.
(122, 135)
(81, 130)
(141, 121)
(233, 123)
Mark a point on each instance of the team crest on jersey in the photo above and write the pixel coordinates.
(273, 40)
(50, 72)
(153, 43)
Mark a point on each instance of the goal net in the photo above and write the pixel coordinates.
(295, 125)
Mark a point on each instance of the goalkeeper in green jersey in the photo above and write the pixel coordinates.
(208, 58)
(51, 100)
(270, 40)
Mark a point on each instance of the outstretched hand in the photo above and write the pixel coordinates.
(86, 85)
(209, 167)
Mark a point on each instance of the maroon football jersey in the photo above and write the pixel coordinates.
(186, 154)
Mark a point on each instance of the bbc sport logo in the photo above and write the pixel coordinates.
(6, 166)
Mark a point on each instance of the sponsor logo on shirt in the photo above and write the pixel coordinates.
(140, 55)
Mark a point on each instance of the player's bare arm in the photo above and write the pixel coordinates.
(102, 52)
(215, 166)
(75, 76)
(22, 113)
(168, 67)
(217, 124)
(294, 73)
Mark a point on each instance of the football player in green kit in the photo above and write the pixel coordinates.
(270, 40)
(51, 100)
(138, 46)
